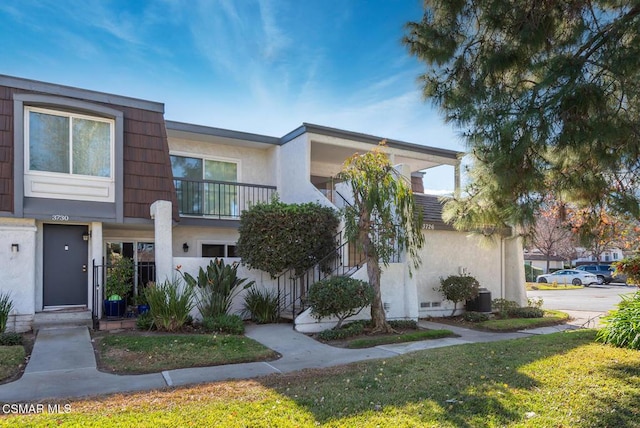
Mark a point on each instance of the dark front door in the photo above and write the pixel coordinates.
(65, 265)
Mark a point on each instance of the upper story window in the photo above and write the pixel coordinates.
(69, 155)
(204, 169)
(206, 187)
(68, 143)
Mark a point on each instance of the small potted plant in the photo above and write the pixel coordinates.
(119, 284)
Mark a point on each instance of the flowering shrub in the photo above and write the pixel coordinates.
(630, 267)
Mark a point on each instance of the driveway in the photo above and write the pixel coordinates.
(585, 305)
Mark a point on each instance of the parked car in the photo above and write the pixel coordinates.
(569, 276)
(603, 272)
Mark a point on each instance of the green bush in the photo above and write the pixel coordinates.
(275, 237)
(621, 326)
(261, 305)
(472, 316)
(503, 306)
(230, 324)
(217, 286)
(349, 330)
(458, 288)
(144, 321)
(526, 312)
(341, 297)
(403, 324)
(10, 339)
(6, 305)
(170, 304)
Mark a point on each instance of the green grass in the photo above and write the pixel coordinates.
(11, 357)
(123, 353)
(563, 379)
(399, 338)
(511, 324)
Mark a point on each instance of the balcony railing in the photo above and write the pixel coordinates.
(219, 199)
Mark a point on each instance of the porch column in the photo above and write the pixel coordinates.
(161, 213)
(96, 254)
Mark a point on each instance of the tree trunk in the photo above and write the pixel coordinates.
(378, 317)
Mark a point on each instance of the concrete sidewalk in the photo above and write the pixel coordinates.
(63, 363)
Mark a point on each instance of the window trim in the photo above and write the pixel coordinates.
(70, 115)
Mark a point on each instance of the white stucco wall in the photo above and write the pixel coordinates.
(17, 275)
(498, 267)
(256, 166)
(294, 180)
(195, 236)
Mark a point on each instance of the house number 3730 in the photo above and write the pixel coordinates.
(59, 217)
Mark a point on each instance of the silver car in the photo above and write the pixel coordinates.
(569, 276)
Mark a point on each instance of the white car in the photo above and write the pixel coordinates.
(569, 276)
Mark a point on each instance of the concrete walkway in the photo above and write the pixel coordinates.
(63, 363)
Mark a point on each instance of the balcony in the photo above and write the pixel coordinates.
(219, 199)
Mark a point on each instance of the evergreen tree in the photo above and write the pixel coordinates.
(547, 95)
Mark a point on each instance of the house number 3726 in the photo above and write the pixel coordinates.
(60, 217)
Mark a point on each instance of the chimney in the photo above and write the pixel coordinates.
(417, 186)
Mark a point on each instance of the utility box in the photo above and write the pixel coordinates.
(482, 302)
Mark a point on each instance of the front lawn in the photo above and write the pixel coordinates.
(11, 361)
(513, 324)
(155, 352)
(562, 379)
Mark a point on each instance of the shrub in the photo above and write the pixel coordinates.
(458, 288)
(535, 302)
(170, 304)
(621, 326)
(349, 330)
(275, 237)
(339, 296)
(231, 324)
(526, 312)
(144, 321)
(403, 324)
(218, 285)
(261, 305)
(6, 306)
(10, 339)
(503, 306)
(475, 316)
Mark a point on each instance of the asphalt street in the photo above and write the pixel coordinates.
(586, 305)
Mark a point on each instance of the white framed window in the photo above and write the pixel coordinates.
(68, 155)
(206, 186)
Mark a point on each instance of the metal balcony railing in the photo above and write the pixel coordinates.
(219, 199)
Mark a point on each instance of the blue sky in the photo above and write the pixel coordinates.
(262, 66)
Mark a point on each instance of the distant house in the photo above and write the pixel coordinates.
(86, 177)
(539, 261)
(610, 255)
